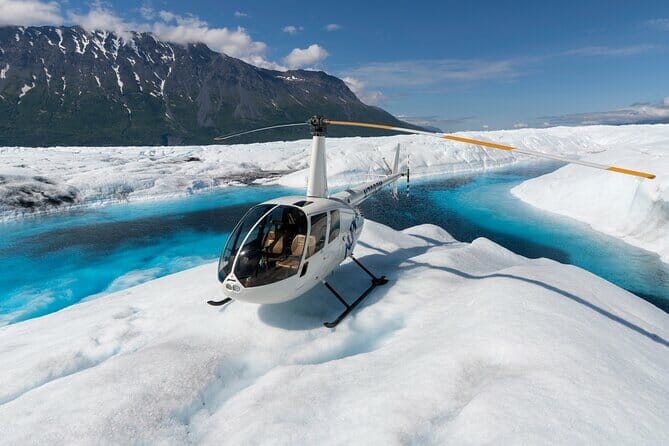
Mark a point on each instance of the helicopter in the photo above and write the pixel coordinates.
(284, 247)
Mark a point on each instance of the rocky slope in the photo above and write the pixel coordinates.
(68, 86)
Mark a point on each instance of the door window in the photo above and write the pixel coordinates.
(319, 228)
(334, 225)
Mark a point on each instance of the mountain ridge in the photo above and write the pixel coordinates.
(69, 86)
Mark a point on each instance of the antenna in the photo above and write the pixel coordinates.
(408, 170)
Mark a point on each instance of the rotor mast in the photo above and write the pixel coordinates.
(317, 186)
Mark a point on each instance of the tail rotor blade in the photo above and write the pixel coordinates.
(234, 135)
(493, 145)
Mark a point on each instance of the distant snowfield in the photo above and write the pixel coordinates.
(467, 344)
(47, 179)
(635, 210)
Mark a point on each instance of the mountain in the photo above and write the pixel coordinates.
(69, 86)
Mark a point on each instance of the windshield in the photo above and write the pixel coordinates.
(273, 249)
(237, 237)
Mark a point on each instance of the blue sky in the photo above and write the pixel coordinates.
(456, 65)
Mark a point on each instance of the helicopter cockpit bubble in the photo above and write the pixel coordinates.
(266, 246)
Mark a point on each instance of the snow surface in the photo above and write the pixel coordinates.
(467, 344)
(635, 210)
(35, 179)
(108, 173)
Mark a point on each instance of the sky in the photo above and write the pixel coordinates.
(467, 65)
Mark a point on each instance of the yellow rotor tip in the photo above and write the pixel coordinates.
(636, 173)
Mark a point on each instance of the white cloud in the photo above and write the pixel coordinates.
(101, 18)
(260, 61)
(629, 50)
(147, 12)
(190, 29)
(240, 14)
(29, 12)
(485, 126)
(410, 73)
(641, 113)
(438, 123)
(290, 29)
(332, 27)
(303, 57)
(358, 88)
(519, 125)
(662, 23)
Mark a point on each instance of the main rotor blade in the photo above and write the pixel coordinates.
(493, 145)
(221, 138)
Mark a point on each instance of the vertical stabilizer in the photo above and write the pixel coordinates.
(396, 170)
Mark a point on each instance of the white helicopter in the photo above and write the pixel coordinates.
(284, 247)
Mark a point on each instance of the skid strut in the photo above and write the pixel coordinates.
(376, 281)
(218, 303)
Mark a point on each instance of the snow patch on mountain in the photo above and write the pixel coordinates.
(25, 89)
(118, 78)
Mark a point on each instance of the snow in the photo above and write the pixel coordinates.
(3, 72)
(162, 81)
(99, 39)
(109, 173)
(60, 40)
(634, 210)
(116, 44)
(467, 344)
(81, 48)
(25, 89)
(289, 78)
(118, 78)
(139, 81)
(46, 73)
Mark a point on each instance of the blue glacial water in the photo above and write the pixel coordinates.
(52, 262)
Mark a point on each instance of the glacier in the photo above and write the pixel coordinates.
(634, 210)
(40, 180)
(467, 344)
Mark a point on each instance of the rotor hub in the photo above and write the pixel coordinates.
(318, 125)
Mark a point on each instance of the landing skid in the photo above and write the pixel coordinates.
(376, 281)
(218, 303)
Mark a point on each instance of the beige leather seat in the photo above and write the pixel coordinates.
(296, 249)
(273, 245)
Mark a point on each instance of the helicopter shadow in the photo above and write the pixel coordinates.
(318, 305)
